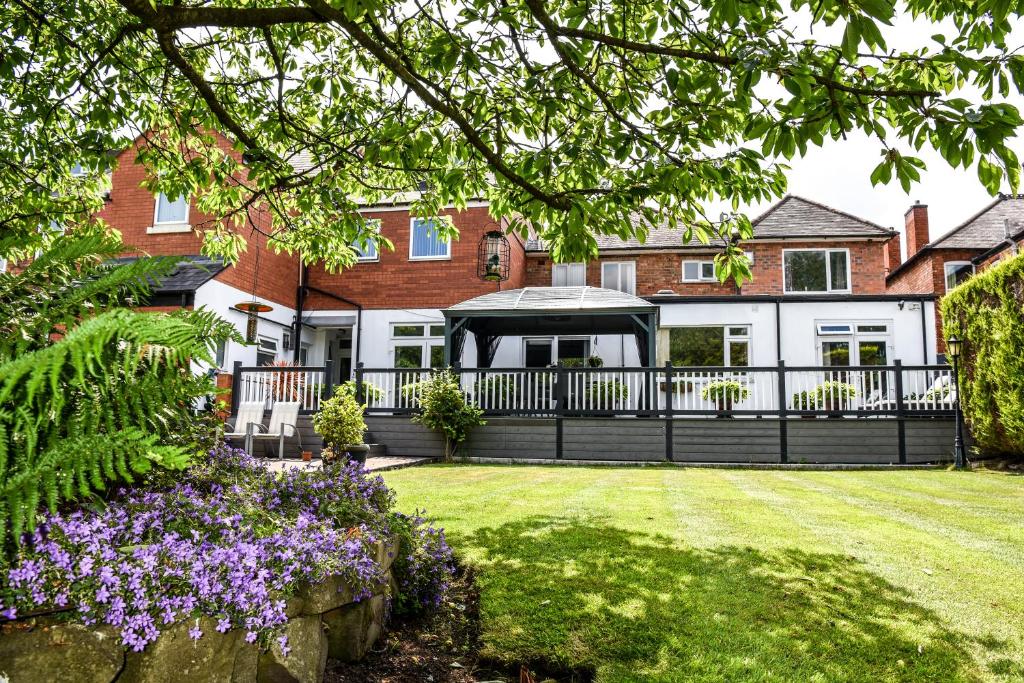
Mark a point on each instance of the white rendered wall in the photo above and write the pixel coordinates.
(221, 298)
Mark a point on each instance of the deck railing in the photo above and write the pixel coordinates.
(270, 384)
(858, 391)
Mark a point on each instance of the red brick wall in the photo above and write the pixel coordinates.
(663, 270)
(395, 281)
(131, 210)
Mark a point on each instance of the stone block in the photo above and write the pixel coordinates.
(53, 651)
(307, 659)
(175, 657)
(353, 629)
(323, 597)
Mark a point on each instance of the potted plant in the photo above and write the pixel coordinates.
(724, 393)
(340, 422)
(607, 395)
(834, 396)
(804, 400)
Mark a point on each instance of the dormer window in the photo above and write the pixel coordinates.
(171, 214)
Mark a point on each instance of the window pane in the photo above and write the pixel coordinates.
(872, 328)
(739, 353)
(426, 242)
(171, 211)
(263, 358)
(691, 270)
(538, 353)
(871, 352)
(436, 356)
(696, 346)
(738, 331)
(835, 353)
(407, 331)
(576, 274)
(805, 271)
(409, 356)
(957, 273)
(619, 276)
(707, 270)
(367, 250)
(437, 330)
(837, 263)
(573, 349)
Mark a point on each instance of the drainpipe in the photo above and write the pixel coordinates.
(778, 330)
(357, 346)
(300, 301)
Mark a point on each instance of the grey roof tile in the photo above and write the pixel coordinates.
(987, 228)
(192, 272)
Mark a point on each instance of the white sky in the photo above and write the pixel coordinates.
(838, 174)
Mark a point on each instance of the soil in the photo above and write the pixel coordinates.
(441, 647)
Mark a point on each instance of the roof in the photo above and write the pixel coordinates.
(553, 300)
(791, 217)
(192, 273)
(986, 228)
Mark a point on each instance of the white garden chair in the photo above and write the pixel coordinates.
(248, 420)
(284, 417)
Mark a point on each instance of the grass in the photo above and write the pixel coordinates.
(660, 574)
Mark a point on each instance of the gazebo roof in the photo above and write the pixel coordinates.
(551, 301)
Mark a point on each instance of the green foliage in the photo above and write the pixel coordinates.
(575, 119)
(92, 392)
(496, 389)
(725, 391)
(830, 395)
(340, 421)
(372, 394)
(443, 408)
(607, 393)
(987, 312)
(591, 362)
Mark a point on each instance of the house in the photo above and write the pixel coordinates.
(936, 266)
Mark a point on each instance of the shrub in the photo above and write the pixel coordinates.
(825, 396)
(725, 391)
(372, 394)
(987, 312)
(443, 408)
(340, 421)
(226, 539)
(93, 391)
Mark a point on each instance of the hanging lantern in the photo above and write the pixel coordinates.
(252, 309)
(493, 257)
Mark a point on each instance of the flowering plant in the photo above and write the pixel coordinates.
(228, 539)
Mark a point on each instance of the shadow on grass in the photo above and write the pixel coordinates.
(573, 594)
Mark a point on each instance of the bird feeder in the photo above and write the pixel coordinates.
(493, 256)
(252, 309)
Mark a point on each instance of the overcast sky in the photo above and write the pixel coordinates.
(838, 174)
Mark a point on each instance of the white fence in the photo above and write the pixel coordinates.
(270, 385)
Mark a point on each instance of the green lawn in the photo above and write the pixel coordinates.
(710, 575)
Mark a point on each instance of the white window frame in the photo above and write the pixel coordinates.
(448, 248)
(700, 271)
(854, 336)
(425, 341)
(567, 267)
(665, 332)
(828, 271)
(618, 273)
(375, 223)
(555, 339)
(163, 227)
(946, 270)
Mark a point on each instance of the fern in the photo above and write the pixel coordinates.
(91, 391)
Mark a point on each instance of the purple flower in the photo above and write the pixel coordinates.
(195, 633)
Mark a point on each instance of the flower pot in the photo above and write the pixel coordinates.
(724, 406)
(357, 452)
(307, 456)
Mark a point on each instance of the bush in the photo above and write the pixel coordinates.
(372, 394)
(443, 409)
(987, 312)
(725, 392)
(340, 421)
(226, 539)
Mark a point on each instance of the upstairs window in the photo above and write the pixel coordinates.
(699, 271)
(366, 249)
(958, 272)
(568, 274)
(171, 213)
(426, 243)
(620, 275)
(816, 270)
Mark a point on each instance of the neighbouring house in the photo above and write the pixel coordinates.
(936, 266)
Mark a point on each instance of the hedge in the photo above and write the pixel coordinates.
(987, 312)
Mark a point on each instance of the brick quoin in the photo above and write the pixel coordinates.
(131, 210)
(658, 270)
(395, 281)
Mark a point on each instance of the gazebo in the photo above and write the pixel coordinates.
(548, 311)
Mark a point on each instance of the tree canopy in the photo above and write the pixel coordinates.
(575, 117)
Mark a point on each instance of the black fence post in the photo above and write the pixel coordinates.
(236, 386)
(901, 424)
(562, 394)
(669, 426)
(359, 383)
(328, 379)
(783, 425)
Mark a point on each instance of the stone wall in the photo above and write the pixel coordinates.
(324, 621)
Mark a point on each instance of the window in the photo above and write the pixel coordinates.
(541, 352)
(418, 345)
(620, 275)
(367, 248)
(816, 270)
(709, 346)
(77, 170)
(957, 272)
(266, 351)
(699, 271)
(425, 242)
(3, 265)
(568, 274)
(221, 353)
(171, 215)
(841, 344)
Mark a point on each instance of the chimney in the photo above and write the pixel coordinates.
(917, 228)
(891, 255)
